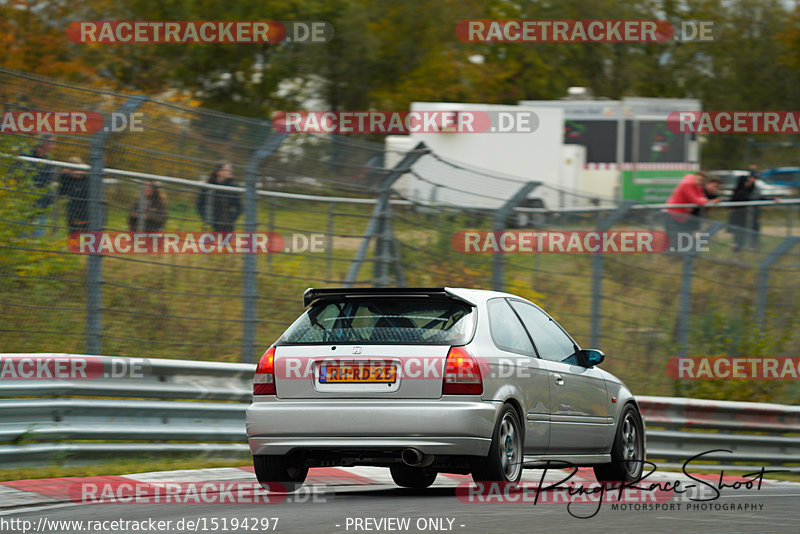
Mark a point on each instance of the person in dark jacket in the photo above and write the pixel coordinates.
(219, 208)
(152, 206)
(41, 176)
(745, 221)
(74, 184)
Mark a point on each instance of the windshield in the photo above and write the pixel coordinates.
(388, 321)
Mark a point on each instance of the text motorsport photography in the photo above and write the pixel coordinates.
(691, 492)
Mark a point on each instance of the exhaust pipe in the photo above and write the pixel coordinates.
(415, 458)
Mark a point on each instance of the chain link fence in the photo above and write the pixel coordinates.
(334, 200)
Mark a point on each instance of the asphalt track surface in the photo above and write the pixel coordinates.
(334, 501)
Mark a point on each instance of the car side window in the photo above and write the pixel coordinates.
(550, 340)
(507, 332)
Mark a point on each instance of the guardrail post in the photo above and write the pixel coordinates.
(763, 275)
(597, 270)
(97, 221)
(394, 252)
(271, 144)
(375, 228)
(499, 219)
(380, 272)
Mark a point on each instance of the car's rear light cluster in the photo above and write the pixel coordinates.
(462, 374)
(264, 380)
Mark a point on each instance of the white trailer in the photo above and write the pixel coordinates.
(484, 170)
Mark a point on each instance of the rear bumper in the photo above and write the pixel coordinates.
(452, 426)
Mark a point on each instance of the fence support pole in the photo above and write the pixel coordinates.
(375, 228)
(270, 224)
(763, 275)
(97, 221)
(380, 271)
(597, 270)
(394, 252)
(686, 292)
(499, 219)
(329, 242)
(271, 144)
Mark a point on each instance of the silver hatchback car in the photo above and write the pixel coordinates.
(430, 380)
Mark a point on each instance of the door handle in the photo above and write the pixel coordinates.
(559, 380)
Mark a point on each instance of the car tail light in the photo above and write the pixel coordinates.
(462, 375)
(264, 380)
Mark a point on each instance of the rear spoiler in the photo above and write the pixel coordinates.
(312, 295)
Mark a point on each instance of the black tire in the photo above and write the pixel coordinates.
(627, 453)
(279, 473)
(504, 461)
(412, 477)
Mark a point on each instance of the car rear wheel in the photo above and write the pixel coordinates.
(504, 462)
(412, 477)
(627, 453)
(279, 473)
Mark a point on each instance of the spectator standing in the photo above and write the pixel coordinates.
(711, 185)
(41, 176)
(219, 208)
(689, 191)
(149, 213)
(74, 184)
(745, 220)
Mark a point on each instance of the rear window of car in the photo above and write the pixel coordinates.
(414, 321)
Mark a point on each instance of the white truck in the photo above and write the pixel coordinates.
(483, 170)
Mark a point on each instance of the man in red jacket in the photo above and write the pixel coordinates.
(688, 191)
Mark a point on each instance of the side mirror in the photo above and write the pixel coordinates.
(591, 357)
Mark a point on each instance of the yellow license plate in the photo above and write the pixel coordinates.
(357, 374)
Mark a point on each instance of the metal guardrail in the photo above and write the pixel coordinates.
(756, 434)
(177, 407)
(142, 407)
